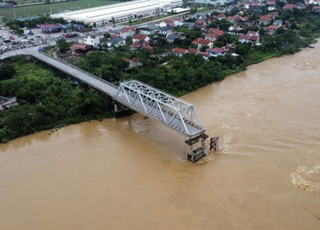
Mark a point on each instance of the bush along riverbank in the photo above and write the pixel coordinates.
(45, 100)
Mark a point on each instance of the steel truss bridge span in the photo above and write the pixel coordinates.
(160, 106)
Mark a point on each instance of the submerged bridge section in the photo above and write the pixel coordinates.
(149, 101)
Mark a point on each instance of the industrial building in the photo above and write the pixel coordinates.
(210, 2)
(120, 12)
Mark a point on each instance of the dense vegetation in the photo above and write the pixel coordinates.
(168, 73)
(45, 101)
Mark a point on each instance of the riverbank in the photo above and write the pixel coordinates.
(46, 100)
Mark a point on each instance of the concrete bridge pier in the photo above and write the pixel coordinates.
(120, 110)
(195, 155)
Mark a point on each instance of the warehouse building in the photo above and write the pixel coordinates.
(120, 12)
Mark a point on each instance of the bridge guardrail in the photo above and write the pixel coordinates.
(80, 70)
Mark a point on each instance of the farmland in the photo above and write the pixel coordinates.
(35, 10)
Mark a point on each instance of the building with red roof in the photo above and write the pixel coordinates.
(147, 48)
(202, 42)
(179, 51)
(244, 38)
(140, 38)
(265, 20)
(194, 51)
(81, 47)
(289, 6)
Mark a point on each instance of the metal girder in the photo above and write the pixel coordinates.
(160, 106)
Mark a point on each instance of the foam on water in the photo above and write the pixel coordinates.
(312, 172)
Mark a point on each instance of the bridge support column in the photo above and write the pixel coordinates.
(120, 110)
(115, 107)
(198, 153)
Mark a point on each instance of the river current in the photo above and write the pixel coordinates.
(131, 173)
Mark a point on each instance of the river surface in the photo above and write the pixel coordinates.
(131, 173)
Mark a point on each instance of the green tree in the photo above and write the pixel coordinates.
(113, 21)
(20, 31)
(6, 71)
(223, 40)
(106, 35)
(63, 45)
(184, 3)
(242, 49)
(5, 20)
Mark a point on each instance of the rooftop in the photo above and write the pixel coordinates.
(114, 10)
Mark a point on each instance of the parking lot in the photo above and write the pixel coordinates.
(9, 41)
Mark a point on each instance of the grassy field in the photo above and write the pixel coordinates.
(29, 11)
(20, 2)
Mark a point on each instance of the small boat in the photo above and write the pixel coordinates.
(311, 46)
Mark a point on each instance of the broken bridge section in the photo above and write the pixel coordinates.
(149, 101)
(166, 109)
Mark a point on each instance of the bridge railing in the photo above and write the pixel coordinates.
(80, 70)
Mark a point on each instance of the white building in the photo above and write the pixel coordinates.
(120, 12)
(92, 40)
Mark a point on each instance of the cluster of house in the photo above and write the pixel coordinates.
(141, 37)
(165, 28)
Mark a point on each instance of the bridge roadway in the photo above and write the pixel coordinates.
(178, 122)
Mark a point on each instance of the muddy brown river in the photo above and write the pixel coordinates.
(131, 173)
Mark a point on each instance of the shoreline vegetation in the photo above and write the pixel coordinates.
(48, 100)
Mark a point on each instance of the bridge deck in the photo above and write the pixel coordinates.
(192, 128)
(160, 106)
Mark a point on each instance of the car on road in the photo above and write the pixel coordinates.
(70, 35)
(7, 40)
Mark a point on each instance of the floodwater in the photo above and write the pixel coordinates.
(131, 173)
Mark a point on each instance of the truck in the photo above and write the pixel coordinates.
(70, 35)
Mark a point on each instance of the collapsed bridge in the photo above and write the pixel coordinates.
(147, 100)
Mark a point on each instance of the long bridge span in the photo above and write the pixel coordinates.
(149, 101)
